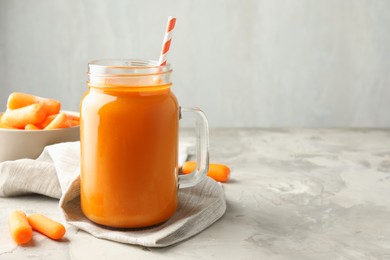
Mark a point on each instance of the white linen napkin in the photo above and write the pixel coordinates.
(55, 173)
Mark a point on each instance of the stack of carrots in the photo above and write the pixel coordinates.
(29, 112)
(21, 227)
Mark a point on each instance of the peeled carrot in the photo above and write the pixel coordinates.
(46, 226)
(19, 118)
(8, 127)
(51, 106)
(74, 122)
(31, 127)
(73, 117)
(218, 172)
(36, 112)
(5, 126)
(21, 231)
(47, 121)
(18, 100)
(60, 121)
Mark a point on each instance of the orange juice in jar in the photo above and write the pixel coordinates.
(129, 144)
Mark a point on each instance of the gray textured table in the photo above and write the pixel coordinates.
(294, 194)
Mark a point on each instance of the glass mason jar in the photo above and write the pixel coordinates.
(129, 144)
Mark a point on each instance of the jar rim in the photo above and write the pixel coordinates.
(128, 72)
(129, 67)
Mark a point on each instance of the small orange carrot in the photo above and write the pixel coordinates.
(8, 127)
(51, 106)
(20, 117)
(74, 122)
(31, 127)
(60, 121)
(5, 126)
(18, 100)
(72, 117)
(47, 121)
(21, 231)
(218, 172)
(46, 226)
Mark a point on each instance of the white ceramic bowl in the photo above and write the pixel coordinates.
(19, 144)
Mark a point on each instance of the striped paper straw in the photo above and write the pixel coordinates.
(167, 41)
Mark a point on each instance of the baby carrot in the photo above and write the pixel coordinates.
(18, 100)
(74, 122)
(51, 106)
(46, 226)
(19, 118)
(218, 172)
(47, 121)
(19, 227)
(8, 127)
(5, 126)
(73, 117)
(60, 121)
(31, 127)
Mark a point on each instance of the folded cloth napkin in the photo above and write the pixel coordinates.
(55, 173)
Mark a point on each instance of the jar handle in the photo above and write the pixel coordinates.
(202, 149)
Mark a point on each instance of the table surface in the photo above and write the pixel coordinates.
(293, 194)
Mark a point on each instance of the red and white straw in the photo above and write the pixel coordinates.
(167, 41)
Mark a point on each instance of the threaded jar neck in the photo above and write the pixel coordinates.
(128, 73)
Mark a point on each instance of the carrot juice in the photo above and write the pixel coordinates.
(129, 145)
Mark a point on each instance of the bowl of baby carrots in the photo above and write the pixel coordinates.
(31, 122)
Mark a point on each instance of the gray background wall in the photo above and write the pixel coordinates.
(247, 63)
